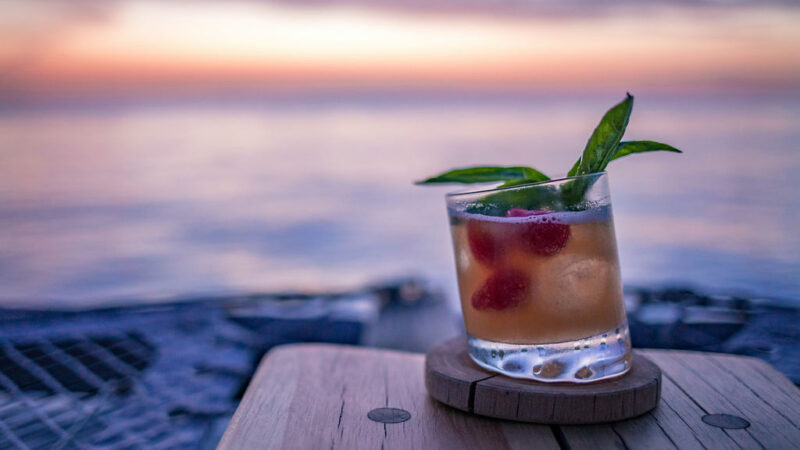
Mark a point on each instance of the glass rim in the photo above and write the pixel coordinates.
(485, 190)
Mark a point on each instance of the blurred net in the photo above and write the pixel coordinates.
(155, 377)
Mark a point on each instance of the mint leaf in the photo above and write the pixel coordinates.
(519, 182)
(487, 174)
(628, 147)
(498, 203)
(603, 146)
(574, 168)
(604, 140)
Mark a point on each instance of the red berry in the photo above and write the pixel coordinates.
(485, 241)
(505, 288)
(545, 238)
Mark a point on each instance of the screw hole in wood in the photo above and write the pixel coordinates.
(389, 415)
(725, 421)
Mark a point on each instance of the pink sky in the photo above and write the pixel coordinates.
(51, 49)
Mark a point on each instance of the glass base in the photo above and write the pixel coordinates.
(606, 355)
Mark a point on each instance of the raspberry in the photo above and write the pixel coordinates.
(485, 241)
(505, 288)
(544, 238)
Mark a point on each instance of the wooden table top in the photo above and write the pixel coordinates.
(312, 396)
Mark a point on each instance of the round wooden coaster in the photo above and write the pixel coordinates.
(451, 377)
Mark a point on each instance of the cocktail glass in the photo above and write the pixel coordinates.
(539, 281)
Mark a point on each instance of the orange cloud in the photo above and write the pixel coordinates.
(144, 46)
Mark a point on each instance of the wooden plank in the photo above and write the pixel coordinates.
(705, 399)
(677, 422)
(456, 429)
(765, 382)
(525, 436)
(682, 420)
(314, 396)
(318, 396)
(262, 401)
(646, 432)
(661, 428)
(591, 437)
(744, 396)
(716, 393)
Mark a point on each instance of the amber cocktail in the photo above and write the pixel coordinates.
(539, 280)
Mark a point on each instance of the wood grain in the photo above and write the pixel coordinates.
(318, 396)
(690, 390)
(454, 379)
(450, 375)
(710, 381)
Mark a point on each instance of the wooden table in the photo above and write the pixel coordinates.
(313, 396)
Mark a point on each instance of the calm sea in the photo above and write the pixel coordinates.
(143, 201)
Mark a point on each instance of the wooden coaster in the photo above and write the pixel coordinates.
(451, 377)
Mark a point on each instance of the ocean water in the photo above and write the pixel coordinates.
(139, 202)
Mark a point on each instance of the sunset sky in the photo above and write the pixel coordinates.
(51, 49)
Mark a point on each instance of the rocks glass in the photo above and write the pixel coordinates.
(539, 280)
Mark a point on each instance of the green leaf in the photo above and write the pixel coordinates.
(603, 146)
(487, 174)
(606, 136)
(628, 147)
(574, 168)
(518, 182)
(498, 203)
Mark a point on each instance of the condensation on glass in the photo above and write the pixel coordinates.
(539, 280)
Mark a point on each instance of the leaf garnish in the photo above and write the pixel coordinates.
(487, 174)
(629, 147)
(574, 168)
(604, 146)
(606, 136)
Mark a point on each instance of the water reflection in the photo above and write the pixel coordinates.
(182, 200)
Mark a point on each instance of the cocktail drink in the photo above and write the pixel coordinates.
(538, 275)
(537, 263)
